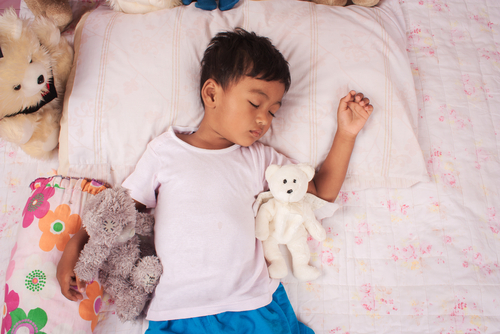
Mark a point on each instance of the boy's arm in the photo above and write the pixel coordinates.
(65, 268)
(353, 112)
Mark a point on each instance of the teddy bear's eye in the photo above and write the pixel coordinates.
(294, 181)
(1, 54)
(109, 226)
(285, 181)
(18, 87)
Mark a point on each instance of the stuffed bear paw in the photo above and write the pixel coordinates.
(317, 232)
(129, 303)
(278, 269)
(306, 273)
(262, 233)
(147, 273)
(27, 131)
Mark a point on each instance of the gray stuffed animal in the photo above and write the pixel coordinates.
(128, 272)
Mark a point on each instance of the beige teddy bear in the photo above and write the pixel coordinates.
(35, 62)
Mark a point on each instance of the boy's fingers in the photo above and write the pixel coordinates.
(355, 107)
(65, 293)
(77, 295)
(364, 102)
(70, 293)
(73, 295)
(360, 110)
(359, 97)
(346, 99)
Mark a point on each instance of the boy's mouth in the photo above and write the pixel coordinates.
(256, 133)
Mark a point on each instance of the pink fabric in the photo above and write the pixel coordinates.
(32, 293)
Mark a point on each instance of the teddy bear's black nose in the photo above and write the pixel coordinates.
(41, 80)
(289, 191)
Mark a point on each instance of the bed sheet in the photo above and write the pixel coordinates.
(417, 260)
(425, 259)
(17, 171)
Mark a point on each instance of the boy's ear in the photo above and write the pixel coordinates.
(209, 93)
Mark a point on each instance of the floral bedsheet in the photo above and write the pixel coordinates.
(417, 260)
(32, 299)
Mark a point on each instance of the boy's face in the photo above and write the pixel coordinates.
(244, 111)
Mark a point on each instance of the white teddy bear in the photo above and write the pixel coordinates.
(287, 216)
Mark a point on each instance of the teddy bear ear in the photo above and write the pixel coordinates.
(309, 170)
(10, 24)
(270, 171)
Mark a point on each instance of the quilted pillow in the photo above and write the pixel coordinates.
(136, 75)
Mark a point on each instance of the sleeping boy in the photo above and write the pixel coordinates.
(202, 183)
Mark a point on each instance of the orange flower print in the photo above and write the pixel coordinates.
(92, 187)
(89, 308)
(57, 227)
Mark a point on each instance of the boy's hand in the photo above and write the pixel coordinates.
(354, 110)
(71, 286)
(69, 282)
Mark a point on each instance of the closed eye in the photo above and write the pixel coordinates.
(257, 107)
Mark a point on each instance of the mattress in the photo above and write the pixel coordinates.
(414, 258)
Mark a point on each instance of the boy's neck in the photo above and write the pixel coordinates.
(205, 138)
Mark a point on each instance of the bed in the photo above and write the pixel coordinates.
(414, 247)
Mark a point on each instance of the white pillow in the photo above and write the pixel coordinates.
(135, 75)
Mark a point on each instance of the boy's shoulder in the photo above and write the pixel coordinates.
(270, 155)
(169, 136)
(160, 140)
(261, 147)
(266, 152)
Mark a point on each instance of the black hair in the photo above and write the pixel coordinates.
(231, 55)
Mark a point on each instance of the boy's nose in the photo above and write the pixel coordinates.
(261, 119)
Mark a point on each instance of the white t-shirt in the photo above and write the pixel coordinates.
(204, 225)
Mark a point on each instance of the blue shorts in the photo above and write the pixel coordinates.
(276, 318)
